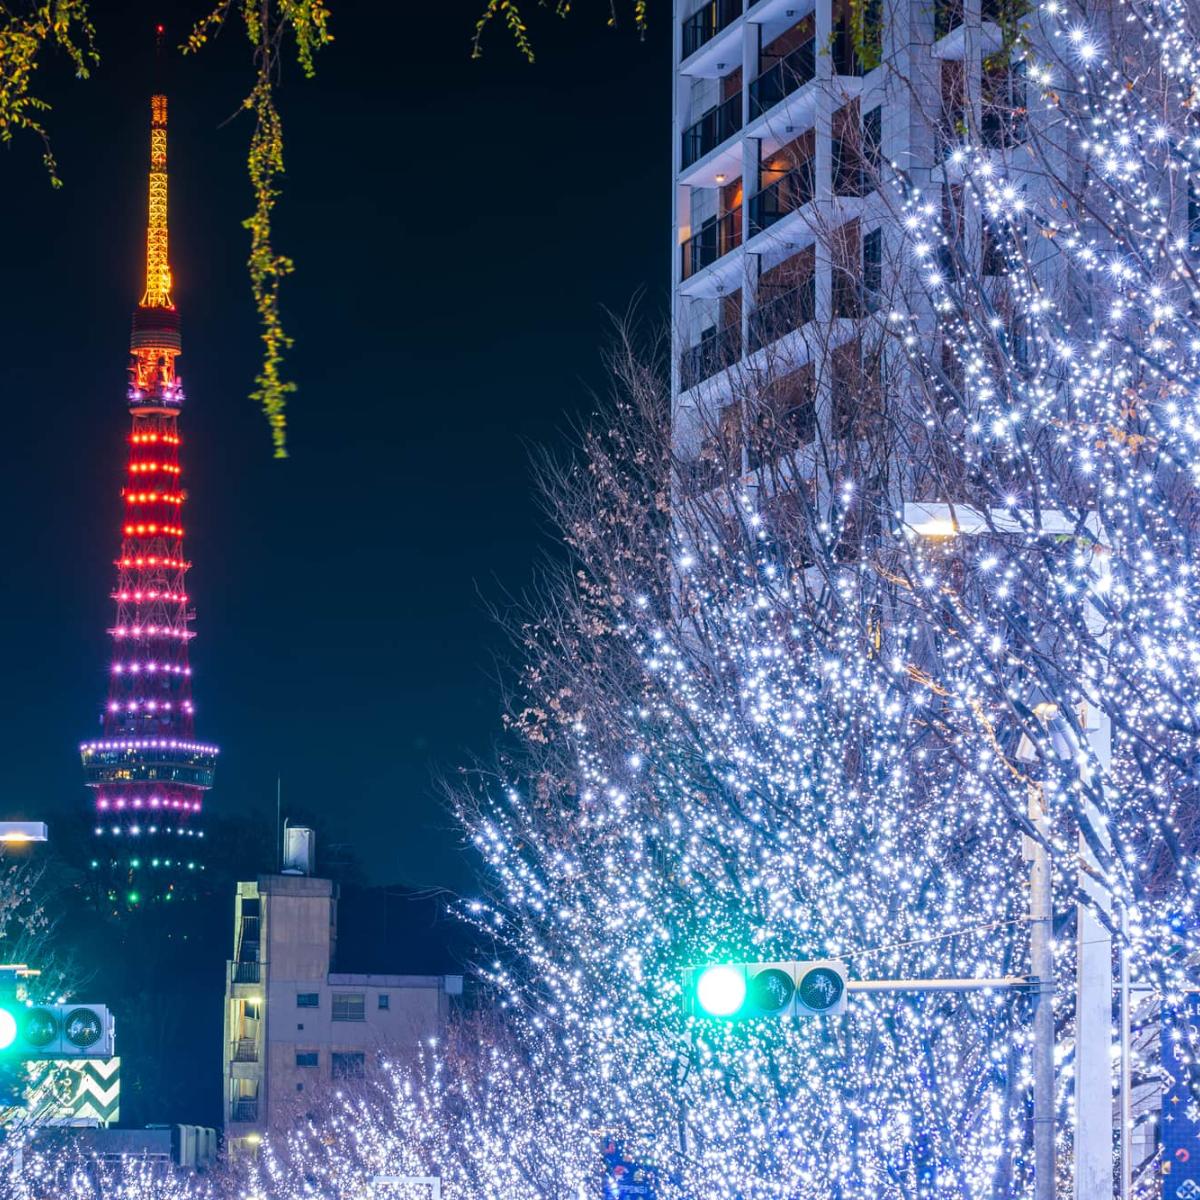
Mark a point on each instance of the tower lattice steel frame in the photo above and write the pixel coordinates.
(148, 773)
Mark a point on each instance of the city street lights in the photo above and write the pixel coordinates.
(1094, 982)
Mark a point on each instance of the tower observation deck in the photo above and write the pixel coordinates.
(148, 774)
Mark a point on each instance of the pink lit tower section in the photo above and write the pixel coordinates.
(148, 773)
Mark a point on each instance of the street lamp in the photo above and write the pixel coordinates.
(17, 832)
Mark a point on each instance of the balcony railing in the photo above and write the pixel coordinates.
(790, 73)
(713, 241)
(705, 23)
(714, 353)
(245, 1050)
(244, 1108)
(779, 316)
(706, 134)
(785, 195)
(246, 972)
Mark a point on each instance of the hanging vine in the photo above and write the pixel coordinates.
(66, 24)
(267, 25)
(508, 12)
(866, 32)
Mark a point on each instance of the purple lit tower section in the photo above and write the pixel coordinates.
(148, 774)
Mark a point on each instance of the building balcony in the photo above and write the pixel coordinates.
(782, 314)
(244, 1109)
(713, 354)
(714, 241)
(785, 195)
(705, 23)
(245, 972)
(789, 74)
(716, 126)
(244, 1050)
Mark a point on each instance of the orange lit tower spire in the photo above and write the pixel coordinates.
(148, 773)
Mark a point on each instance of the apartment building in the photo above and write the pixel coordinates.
(294, 1025)
(787, 114)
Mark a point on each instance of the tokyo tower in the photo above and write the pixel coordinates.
(148, 774)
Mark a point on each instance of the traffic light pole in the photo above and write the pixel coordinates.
(1002, 983)
(1094, 977)
(1041, 964)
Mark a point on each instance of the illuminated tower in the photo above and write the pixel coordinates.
(148, 774)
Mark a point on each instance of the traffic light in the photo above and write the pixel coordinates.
(12, 1065)
(8, 1026)
(739, 991)
(63, 1031)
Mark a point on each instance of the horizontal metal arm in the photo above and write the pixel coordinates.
(1006, 982)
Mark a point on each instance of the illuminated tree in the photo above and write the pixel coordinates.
(770, 713)
(486, 1115)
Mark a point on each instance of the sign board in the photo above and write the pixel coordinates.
(1181, 1101)
(76, 1091)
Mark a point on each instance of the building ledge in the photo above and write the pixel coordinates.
(395, 981)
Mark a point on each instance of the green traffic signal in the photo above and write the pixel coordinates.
(8, 1029)
(721, 990)
(738, 991)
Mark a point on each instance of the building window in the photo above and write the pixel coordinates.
(349, 1006)
(306, 1058)
(349, 1066)
(384, 1000)
(308, 999)
(252, 1010)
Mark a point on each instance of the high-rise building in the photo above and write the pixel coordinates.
(786, 116)
(147, 773)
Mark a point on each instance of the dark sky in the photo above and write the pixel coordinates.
(459, 230)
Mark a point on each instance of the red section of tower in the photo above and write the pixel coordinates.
(147, 772)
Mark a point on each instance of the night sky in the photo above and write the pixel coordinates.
(460, 229)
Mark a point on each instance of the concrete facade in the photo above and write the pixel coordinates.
(294, 1026)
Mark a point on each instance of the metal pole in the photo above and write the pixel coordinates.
(1041, 962)
(1094, 974)
(1094, 988)
(1126, 1071)
(1003, 983)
